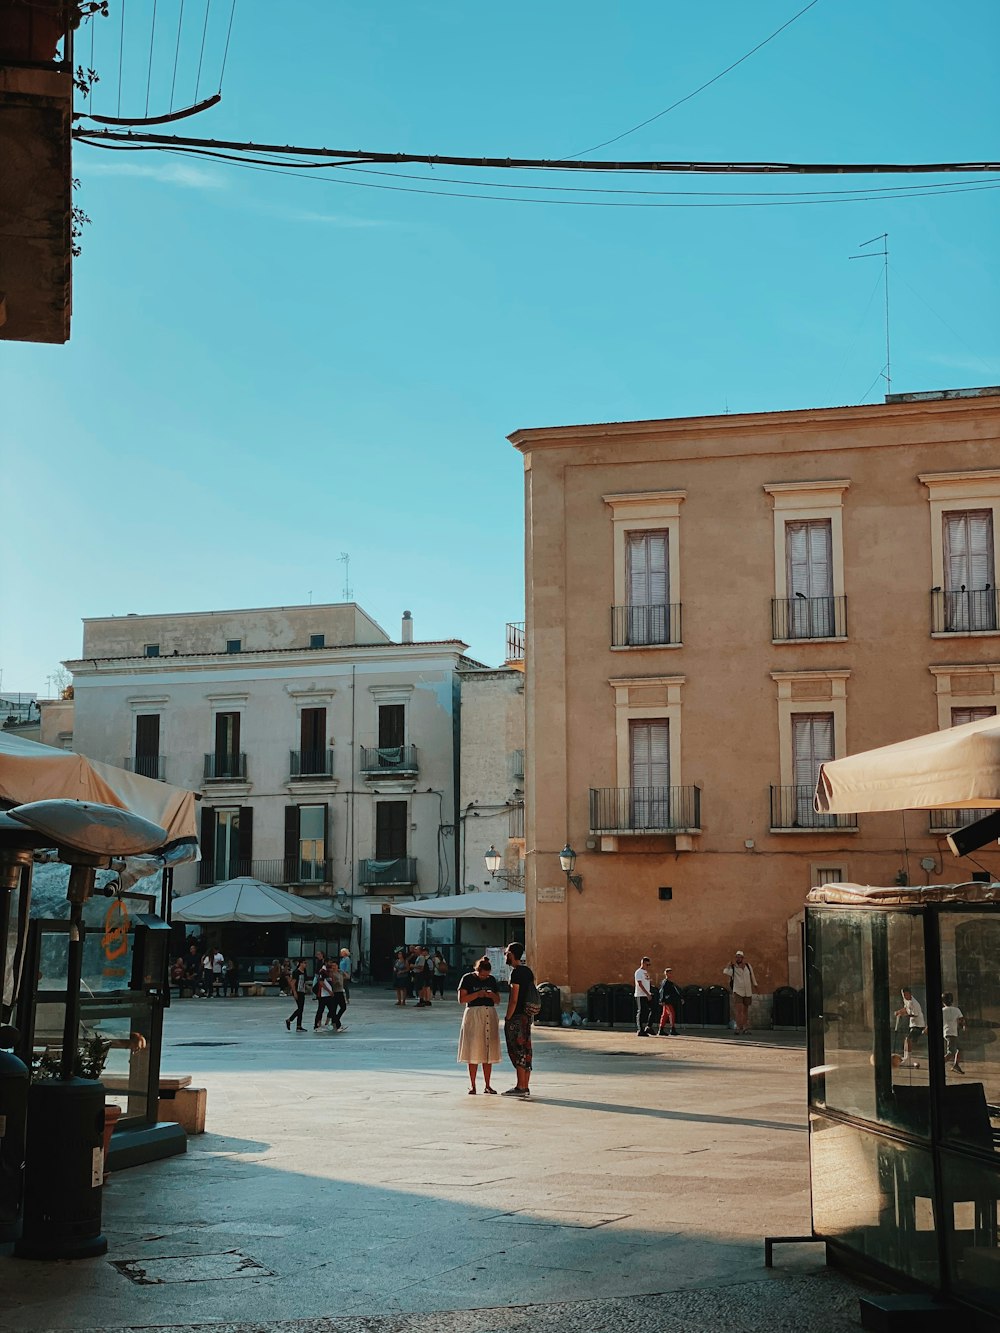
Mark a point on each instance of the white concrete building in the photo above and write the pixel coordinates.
(326, 754)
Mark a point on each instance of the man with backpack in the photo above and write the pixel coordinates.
(522, 1005)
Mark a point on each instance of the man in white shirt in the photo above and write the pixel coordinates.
(954, 1021)
(742, 984)
(913, 1012)
(643, 998)
(218, 967)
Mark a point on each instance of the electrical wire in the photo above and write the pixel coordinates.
(149, 75)
(875, 196)
(201, 54)
(225, 54)
(687, 98)
(177, 53)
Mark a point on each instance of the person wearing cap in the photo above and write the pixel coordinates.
(742, 984)
(670, 999)
(643, 998)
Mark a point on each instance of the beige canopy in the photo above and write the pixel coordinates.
(954, 769)
(33, 772)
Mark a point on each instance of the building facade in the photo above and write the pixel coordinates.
(715, 606)
(326, 754)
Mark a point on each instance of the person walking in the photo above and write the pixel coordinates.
(300, 989)
(232, 977)
(643, 998)
(954, 1022)
(323, 990)
(517, 1023)
(912, 1010)
(338, 997)
(479, 1038)
(670, 1000)
(742, 985)
(218, 974)
(419, 971)
(206, 973)
(345, 966)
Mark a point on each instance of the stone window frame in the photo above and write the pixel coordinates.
(802, 501)
(954, 492)
(787, 707)
(627, 711)
(947, 699)
(645, 511)
(150, 703)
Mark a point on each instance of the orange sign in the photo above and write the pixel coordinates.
(114, 941)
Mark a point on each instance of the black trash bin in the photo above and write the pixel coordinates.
(800, 1008)
(692, 1006)
(599, 1004)
(716, 1006)
(622, 1004)
(783, 1012)
(551, 1010)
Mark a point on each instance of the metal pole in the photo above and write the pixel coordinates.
(81, 884)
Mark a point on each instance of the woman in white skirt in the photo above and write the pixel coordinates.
(479, 1040)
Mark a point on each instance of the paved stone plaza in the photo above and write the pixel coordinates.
(347, 1183)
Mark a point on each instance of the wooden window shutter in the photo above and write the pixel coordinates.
(391, 726)
(959, 716)
(812, 745)
(809, 558)
(292, 820)
(650, 746)
(207, 834)
(246, 838)
(648, 572)
(313, 729)
(968, 550)
(390, 830)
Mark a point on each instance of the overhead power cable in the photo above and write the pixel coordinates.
(707, 84)
(346, 155)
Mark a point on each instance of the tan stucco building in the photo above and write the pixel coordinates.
(715, 605)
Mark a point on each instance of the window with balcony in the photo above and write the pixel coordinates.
(809, 600)
(964, 513)
(392, 755)
(947, 820)
(306, 832)
(646, 612)
(313, 758)
(226, 843)
(227, 762)
(146, 759)
(812, 725)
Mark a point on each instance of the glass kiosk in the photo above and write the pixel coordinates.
(904, 1120)
(122, 998)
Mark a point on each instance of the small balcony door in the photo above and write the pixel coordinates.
(227, 745)
(969, 571)
(227, 844)
(147, 745)
(391, 829)
(812, 745)
(313, 740)
(312, 843)
(648, 587)
(649, 745)
(809, 575)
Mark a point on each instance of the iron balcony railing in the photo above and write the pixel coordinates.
(515, 765)
(808, 618)
(383, 759)
(398, 873)
(146, 765)
(225, 767)
(275, 871)
(964, 612)
(515, 820)
(310, 763)
(645, 626)
(645, 809)
(946, 821)
(792, 808)
(515, 641)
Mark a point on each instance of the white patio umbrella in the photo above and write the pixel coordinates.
(954, 769)
(250, 900)
(498, 905)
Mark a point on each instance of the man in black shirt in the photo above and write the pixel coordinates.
(517, 1024)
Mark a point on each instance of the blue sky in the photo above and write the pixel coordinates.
(267, 371)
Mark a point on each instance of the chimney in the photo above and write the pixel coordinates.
(407, 628)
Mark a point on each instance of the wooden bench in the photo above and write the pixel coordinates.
(178, 1101)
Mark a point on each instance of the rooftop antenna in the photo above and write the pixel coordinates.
(883, 254)
(345, 560)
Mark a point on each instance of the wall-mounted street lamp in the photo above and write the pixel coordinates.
(493, 861)
(567, 860)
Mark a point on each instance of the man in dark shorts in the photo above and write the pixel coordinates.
(517, 1024)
